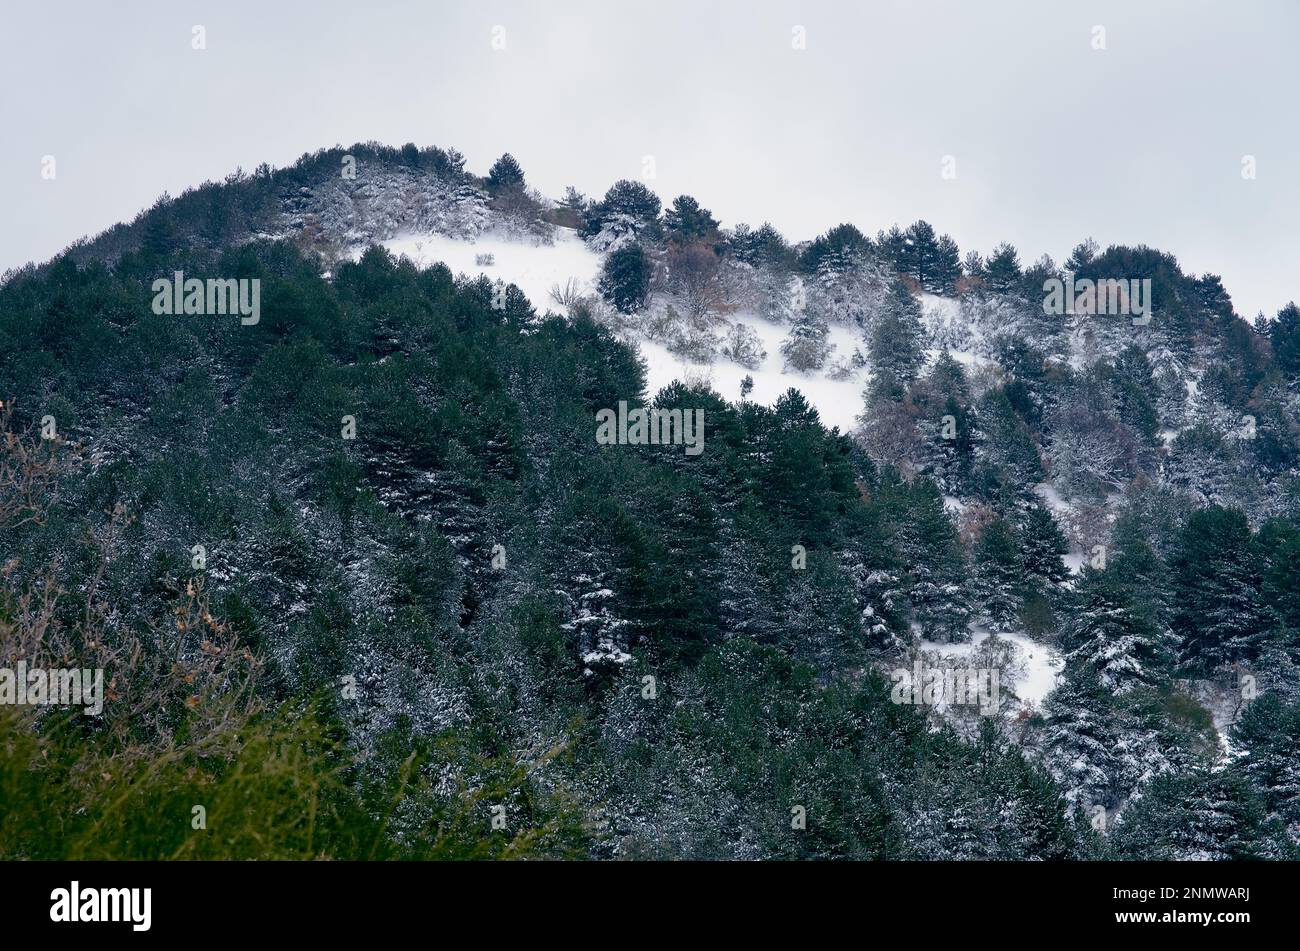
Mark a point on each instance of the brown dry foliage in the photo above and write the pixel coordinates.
(188, 666)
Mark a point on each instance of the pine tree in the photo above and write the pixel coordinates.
(1279, 542)
(917, 251)
(625, 278)
(1005, 447)
(685, 221)
(839, 249)
(945, 269)
(505, 175)
(1111, 637)
(1080, 742)
(1002, 270)
(895, 352)
(1081, 257)
(159, 238)
(1142, 573)
(808, 345)
(628, 207)
(947, 426)
(999, 575)
(574, 200)
(745, 597)
(1284, 332)
(933, 262)
(973, 266)
(1098, 748)
(880, 591)
(626, 197)
(1196, 816)
(1043, 546)
(1219, 614)
(1135, 392)
(1268, 734)
(760, 247)
(892, 247)
(936, 567)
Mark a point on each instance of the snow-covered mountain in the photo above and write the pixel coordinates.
(1100, 507)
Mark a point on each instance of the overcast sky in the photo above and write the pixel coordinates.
(1053, 140)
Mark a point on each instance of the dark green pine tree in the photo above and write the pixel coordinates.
(1285, 336)
(933, 262)
(1200, 816)
(1106, 633)
(1081, 740)
(624, 198)
(1005, 447)
(895, 351)
(1268, 733)
(892, 247)
(820, 620)
(1081, 257)
(1144, 576)
(1026, 807)
(999, 575)
(1219, 613)
(505, 175)
(835, 251)
(936, 565)
(917, 252)
(805, 475)
(685, 221)
(762, 246)
(807, 345)
(1279, 541)
(956, 427)
(159, 237)
(625, 278)
(745, 595)
(1136, 392)
(947, 425)
(947, 378)
(945, 270)
(1043, 546)
(1002, 270)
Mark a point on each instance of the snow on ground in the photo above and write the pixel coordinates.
(537, 268)
(838, 402)
(1053, 499)
(943, 308)
(1074, 560)
(1042, 664)
(1224, 705)
(942, 318)
(1063, 511)
(533, 268)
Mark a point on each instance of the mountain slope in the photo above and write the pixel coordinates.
(629, 650)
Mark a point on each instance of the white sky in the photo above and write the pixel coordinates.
(1054, 141)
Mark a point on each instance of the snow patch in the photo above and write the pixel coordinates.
(1042, 664)
(535, 268)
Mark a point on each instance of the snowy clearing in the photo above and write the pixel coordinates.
(533, 268)
(1042, 664)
